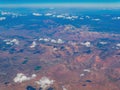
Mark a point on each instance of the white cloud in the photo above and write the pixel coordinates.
(33, 44)
(5, 13)
(53, 41)
(11, 42)
(86, 70)
(48, 14)
(103, 43)
(118, 45)
(46, 39)
(116, 18)
(22, 77)
(87, 44)
(37, 14)
(60, 41)
(60, 16)
(81, 18)
(15, 41)
(81, 75)
(88, 17)
(70, 18)
(74, 17)
(14, 15)
(44, 82)
(2, 18)
(63, 88)
(97, 19)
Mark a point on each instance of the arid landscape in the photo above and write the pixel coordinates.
(45, 54)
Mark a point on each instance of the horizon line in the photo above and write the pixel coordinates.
(84, 5)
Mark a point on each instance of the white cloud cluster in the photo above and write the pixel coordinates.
(45, 39)
(81, 18)
(71, 17)
(58, 41)
(63, 88)
(22, 77)
(5, 13)
(15, 41)
(33, 44)
(45, 82)
(86, 70)
(65, 16)
(81, 75)
(97, 19)
(37, 14)
(88, 17)
(60, 16)
(14, 15)
(11, 42)
(87, 44)
(2, 18)
(116, 18)
(69, 27)
(48, 14)
(103, 43)
(84, 27)
(118, 45)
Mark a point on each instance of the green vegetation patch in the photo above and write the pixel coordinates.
(37, 68)
(25, 61)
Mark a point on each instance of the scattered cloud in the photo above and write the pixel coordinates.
(97, 19)
(57, 41)
(33, 44)
(37, 14)
(81, 75)
(116, 18)
(48, 14)
(63, 88)
(118, 45)
(103, 43)
(87, 44)
(12, 41)
(2, 18)
(22, 77)
(45, 82)
(86, 70)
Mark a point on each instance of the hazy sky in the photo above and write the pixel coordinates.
(56, 1)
